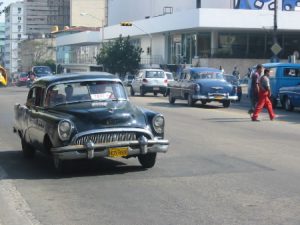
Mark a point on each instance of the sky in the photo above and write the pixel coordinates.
(5, 3)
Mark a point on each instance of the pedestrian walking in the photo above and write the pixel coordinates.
(222, 69)
(236, 72)
(264, 97)
(254, 87)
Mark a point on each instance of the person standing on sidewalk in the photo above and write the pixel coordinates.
(264, 97)
(254, 87)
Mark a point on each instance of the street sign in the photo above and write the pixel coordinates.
(276, 48)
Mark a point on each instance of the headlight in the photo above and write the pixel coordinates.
(158, 124)
(65, 128)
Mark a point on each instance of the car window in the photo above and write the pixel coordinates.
(84, 91)
(42, 70)
(35, 97)
(208, 75)
(155, 74)
(22, 75)
(291, 72)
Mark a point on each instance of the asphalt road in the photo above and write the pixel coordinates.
(221, 168)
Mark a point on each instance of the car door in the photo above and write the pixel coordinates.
(184, 83)
(36, 123)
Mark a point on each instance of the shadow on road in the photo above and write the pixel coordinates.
(183, 105)
(41, 167)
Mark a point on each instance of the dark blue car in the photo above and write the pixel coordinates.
(202, 84)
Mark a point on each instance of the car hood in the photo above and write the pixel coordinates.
(214, 85)
(99, 115)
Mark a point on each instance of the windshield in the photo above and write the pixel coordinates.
(155, 74)
(42, 70)
(22, 75)
(88, 91)
(207, 75)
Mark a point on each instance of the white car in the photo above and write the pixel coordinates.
(149, 80)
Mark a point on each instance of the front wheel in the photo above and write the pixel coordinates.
(27, 149)
(226, 104)
(191, 101)
(131, 91)
(59, 164)
(142, 92)
(148, 160)
(171, 99)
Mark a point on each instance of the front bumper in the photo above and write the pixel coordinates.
(91, 150)
(216, 97)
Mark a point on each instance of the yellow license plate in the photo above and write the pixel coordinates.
(118, 152)
(219, 97)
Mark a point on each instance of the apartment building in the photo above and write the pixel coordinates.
(41, 15)
(14, 34)
(2, 38)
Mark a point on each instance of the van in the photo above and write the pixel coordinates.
(282, 75)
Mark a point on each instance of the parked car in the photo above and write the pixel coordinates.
(22, 79)
(41, 71)
(86, 116)
(202, 84)
(128, 79)
(235, 82)
(282, 75)
(290, 97)
(149, 80)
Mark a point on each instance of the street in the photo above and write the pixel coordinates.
(221, 168)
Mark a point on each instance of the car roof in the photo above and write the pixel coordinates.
(281, 65)
(202, 69)
(152, 70)
(48, 80)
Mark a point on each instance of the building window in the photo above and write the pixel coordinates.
(19, 10)
(19, 19)
(19, 36)
(198, 4)
(19, 28)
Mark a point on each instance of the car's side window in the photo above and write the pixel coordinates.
(35, 97)
(182, 75)
(291, 72)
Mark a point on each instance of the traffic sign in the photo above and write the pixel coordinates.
(276, 48)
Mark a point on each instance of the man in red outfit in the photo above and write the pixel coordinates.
(264, 97)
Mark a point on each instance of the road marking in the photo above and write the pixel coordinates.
(14, 209)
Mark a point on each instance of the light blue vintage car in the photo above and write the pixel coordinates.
(290, 97)
(202, 84)
(284, 79)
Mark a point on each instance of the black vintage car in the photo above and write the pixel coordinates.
(87, 115)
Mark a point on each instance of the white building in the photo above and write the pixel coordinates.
(205, 32)
(14, 33)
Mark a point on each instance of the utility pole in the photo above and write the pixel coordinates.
(275, 22)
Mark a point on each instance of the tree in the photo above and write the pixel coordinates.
(119, 56)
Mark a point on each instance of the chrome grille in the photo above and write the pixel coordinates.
(107, 137)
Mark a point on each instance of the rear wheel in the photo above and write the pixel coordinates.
(287, 104)
(148, 160)
(155, 93)
(203, 102)
(226, 104)
(274, 102)
(27, 149)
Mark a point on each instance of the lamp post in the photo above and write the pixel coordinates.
(96, 18)
(124, 24)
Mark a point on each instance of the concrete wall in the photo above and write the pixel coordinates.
(95, 8)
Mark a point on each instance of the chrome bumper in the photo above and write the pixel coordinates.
(214, 97)
(91, 150)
